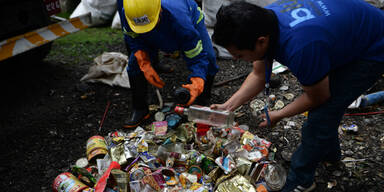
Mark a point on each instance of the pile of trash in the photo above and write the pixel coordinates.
(176, 153)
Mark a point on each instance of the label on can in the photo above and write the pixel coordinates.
(66, 182)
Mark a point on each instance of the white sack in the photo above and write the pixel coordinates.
(376, 3)
(116, 24)
(109, 68)
(102, 11)
(211, 7)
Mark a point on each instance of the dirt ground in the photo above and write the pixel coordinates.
(47, 115)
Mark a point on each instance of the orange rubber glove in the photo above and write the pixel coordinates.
(149, 73)
(195, 89)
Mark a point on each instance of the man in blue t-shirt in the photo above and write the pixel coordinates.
(335, 48)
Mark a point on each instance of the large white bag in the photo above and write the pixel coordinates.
(116, 23)
(109, 68)
(211, 7)
(102, 11)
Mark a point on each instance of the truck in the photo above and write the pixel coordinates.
(28, 28)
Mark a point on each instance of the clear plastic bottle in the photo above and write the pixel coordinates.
(206, 115)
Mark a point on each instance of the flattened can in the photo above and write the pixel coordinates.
(66, 182)
(96, 146)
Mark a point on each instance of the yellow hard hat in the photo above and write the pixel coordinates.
(142, 15)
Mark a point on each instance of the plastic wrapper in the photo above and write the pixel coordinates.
(121, 179)
(232, 146)
(130, 149)
(215, 174)
(208, 164)
(136, 174)
(117, 154)
(102, 182)
(136, 186)
(146, 157)
(243, 165)
(142, 145)
(237, 184)
(103, 164)
(255, 156)
(160, 127)
(151, 181)
(197, 187)
(225, 163)
(186, 179)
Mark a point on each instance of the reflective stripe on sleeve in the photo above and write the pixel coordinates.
(195, 51)
(201, 15)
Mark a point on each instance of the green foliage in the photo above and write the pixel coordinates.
(84, 45)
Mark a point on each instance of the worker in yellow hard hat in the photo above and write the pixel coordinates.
(166, 25)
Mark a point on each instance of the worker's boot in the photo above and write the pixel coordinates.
(140, 110)
(204, 98)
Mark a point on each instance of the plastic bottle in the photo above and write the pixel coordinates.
(206, 115)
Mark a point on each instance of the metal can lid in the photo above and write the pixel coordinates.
(159, 116)
(82, 162)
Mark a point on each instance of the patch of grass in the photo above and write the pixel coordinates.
(84, 45)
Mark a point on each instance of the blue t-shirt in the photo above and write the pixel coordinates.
(317, 36)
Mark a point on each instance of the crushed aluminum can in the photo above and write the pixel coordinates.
(289, 96)
(278, 105)
(284, 88)
(243, 165)
(237, 184)
(196, 170)
(350, 128)
(225, 163)
(136, 174)
(257, 106)
(255, 172)
(275, 176)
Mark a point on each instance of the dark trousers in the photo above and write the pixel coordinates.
(320, 140)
